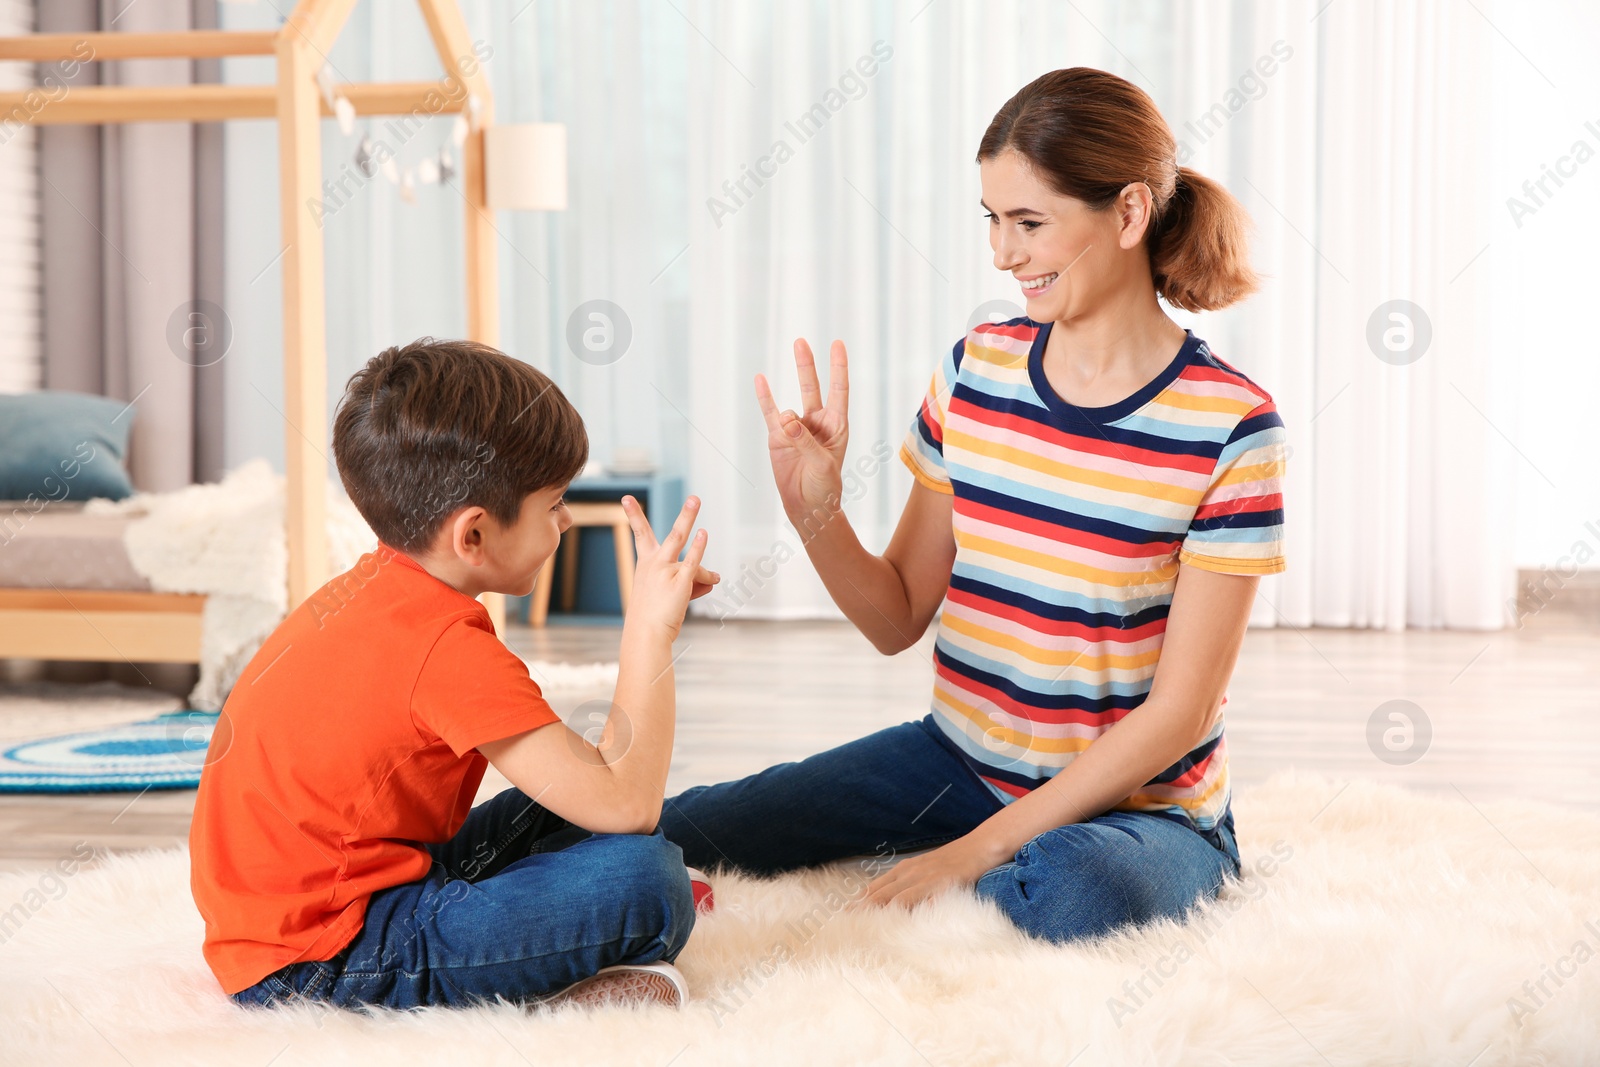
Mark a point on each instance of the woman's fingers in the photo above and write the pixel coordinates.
(824, 420)
(875, 891)
(778, 422)
(805, 441)
(838, 379)
(805, 365)
(769, 407)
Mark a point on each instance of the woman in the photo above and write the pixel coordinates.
(1096, 495)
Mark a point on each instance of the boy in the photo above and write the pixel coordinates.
(336, 854)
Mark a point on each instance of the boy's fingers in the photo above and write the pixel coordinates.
(679, 534)
(697, 550)
(644, 538)
(705, 577)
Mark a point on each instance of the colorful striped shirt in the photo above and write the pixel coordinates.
(1070, 524)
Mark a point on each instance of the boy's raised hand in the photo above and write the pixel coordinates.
(807, 450)
(663, 584)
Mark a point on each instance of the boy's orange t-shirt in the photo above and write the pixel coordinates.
(349, 741)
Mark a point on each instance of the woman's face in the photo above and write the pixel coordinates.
(1038, 235)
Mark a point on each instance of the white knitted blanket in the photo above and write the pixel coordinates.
(226, 540)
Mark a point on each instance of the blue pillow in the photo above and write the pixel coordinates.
(62, 446)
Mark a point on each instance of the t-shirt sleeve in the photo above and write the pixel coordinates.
(1238, 527)
(923, 447)
(473, 689)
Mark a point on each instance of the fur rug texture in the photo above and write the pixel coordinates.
(1374, 926)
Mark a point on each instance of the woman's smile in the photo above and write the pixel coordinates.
(1037, 284)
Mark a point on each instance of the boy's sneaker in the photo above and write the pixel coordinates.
(703, 901)
(628, 983)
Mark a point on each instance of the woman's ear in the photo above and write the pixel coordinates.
(467, 535)
(1134, 205)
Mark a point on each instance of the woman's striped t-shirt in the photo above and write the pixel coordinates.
(1070, 526)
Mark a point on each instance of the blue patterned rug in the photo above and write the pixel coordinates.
(166, 752)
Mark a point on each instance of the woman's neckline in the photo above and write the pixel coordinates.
(1107, 413)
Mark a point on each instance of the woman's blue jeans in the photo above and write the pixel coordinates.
(519, 904)
(906, 788)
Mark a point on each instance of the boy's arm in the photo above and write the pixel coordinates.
(618, 785)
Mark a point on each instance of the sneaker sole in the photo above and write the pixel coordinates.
(635, 987)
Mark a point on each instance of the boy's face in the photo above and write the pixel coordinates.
(475, 553)
(513, 555)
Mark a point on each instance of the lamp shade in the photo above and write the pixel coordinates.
(525, 166)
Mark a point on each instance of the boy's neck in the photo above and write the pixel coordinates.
(451, 572)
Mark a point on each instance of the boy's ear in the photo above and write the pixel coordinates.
(465, 530)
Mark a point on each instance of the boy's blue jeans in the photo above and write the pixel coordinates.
(519, 904)
(906, 788)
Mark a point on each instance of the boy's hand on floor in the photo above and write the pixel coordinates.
(663, 584)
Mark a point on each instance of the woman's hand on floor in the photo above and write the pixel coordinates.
(960, 863)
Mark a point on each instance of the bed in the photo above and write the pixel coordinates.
(66, 582)
(66, 595)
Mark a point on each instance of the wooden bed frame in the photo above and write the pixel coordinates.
(164, 627)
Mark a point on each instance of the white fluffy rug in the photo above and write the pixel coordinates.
(1376, 927)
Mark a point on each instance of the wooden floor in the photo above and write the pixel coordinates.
(1512, 713)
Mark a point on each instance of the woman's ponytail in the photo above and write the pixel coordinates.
(1199, 255)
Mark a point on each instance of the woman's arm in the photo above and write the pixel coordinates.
(891, 598)
(1205, 628)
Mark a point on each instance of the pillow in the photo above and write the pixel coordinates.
(63, 446)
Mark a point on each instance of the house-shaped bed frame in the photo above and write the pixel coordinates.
(140, 626)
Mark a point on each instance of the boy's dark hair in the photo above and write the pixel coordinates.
(433, 426)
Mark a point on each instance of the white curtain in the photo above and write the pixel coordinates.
(1354, 133)
(1408, 473)
(1349, 133)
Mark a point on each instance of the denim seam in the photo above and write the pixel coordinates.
(320, 977)
(519, 826)
(275, 988)
(927, 842)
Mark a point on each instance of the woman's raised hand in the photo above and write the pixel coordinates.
(807, 450)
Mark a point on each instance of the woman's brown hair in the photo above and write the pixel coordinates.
(1089, 134)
